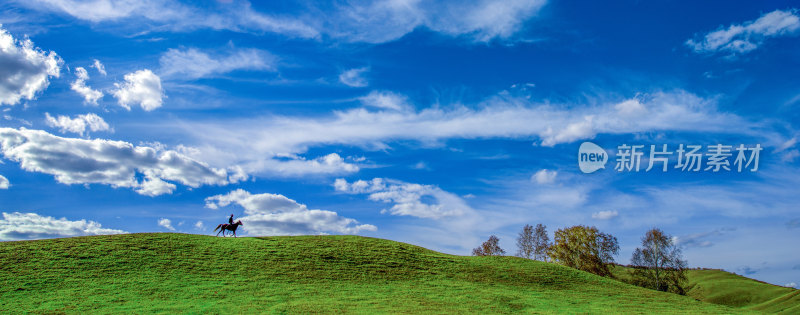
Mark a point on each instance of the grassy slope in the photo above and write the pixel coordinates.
(725, 288)
(176, 272)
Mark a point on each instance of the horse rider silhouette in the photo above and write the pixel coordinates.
(230, 226)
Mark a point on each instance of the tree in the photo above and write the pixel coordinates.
(533, 243)
(658, 264)
(584, 248)
(489, 248)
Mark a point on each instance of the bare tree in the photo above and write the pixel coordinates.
(542, 242)
(658, 264)
(584, 248)
(533, 243)
(525, 242)
(489, 248)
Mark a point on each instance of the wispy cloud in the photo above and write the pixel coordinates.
(192, 63)
(99, 67)
(387, 20)
(294, 166)
(148, 15)
(605, 215)
(704, 239)
(422, 201)
(544, 176)
(746, 37)
(748, 271)
(4, 183)
(386, 100)
(354, 77)
(352, 21)
(256, 141)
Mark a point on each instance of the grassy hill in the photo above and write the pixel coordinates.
(725, 288)
(144, 273)
(717, 286)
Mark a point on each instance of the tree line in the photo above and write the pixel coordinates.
(658, 264)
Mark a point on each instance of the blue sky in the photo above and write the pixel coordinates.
(433, 123)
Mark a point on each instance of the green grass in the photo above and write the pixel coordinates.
(725, 288)
(717, 286)
(168, 273)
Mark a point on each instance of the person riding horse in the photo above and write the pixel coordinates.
(230, 226)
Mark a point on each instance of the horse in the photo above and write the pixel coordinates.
(229, 227)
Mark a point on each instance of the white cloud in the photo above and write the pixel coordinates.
(272, 214)
(99, 161)
(421, 165)
(786, 144)
(354, 77)
(746, 37)
(631, 108)
(4, 183)
(142, 87)
(387, 20)
(166, 223)
(199, 225)
(386, 100)
(791, 285)
(26, 69)
(79, 124)
(237, 16)
(28, 226)
(350, 21)
(703, 239)
(99, 67)
(605, 215)
(293, 166)
(192, 63)
(786, 154)
(544, 176)
(90, 96)
(153, 186)
(790, 156)
(422, 201)
(770, 196)
(256, 141)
